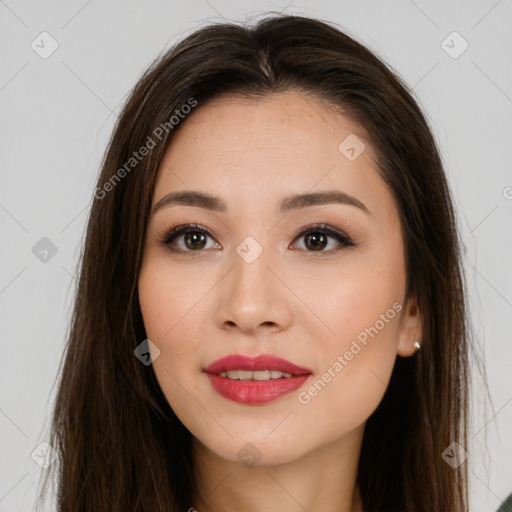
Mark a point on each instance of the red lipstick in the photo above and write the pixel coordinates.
(249, 389)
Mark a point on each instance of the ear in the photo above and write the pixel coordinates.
(410, 329)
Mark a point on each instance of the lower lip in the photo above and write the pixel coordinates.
(255, 391)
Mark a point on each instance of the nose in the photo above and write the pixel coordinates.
(253, 297)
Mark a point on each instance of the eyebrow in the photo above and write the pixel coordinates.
(295, 202)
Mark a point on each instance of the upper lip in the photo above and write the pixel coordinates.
(255, 363)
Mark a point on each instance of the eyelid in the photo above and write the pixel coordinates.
(331, 231)
(177, 229)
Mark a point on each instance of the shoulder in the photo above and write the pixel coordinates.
(506, 506)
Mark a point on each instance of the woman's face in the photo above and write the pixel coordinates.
(247, 281)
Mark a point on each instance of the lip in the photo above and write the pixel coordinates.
(255, 392)
(255, 363)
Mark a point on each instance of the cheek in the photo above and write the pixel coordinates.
(355, 358)
(346, 299)
(167, 305)
(167, 302)
(342, 401)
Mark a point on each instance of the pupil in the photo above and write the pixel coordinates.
(195, 237)
(318, 241)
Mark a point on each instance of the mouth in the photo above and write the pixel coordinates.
(255, 375)
(255, 380)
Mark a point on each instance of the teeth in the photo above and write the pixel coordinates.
(256, 375)
(261, 375)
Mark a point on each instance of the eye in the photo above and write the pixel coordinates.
(193, 236)
(316, 238)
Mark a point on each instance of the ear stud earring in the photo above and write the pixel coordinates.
(417, 345)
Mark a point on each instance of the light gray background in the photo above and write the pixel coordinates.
(57, 114)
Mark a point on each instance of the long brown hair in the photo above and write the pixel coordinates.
(120, 446)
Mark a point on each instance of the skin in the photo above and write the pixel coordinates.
(303, 305)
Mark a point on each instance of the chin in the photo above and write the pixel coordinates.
(254, 449)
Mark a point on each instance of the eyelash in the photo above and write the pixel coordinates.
(174, 231)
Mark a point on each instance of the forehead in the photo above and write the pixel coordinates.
(288, 124)
(283, 143)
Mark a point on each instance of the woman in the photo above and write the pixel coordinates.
(312, 353)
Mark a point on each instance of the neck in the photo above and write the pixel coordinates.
(323, 480)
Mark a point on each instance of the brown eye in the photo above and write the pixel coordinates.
(316, 241)
(317, 238)
(194, 238)
(189, 238)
